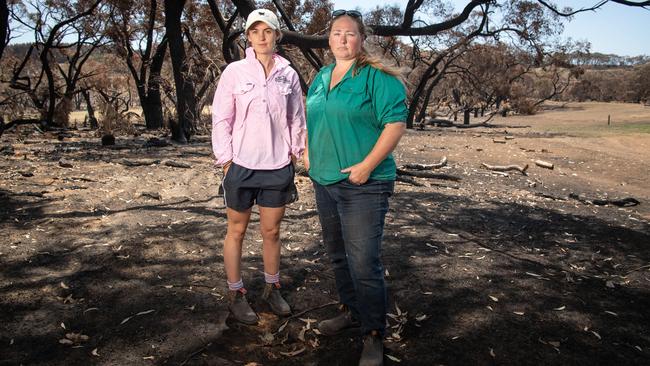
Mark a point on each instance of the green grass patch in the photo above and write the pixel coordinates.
(624, 128)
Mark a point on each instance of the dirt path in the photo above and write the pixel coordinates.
(109, 264)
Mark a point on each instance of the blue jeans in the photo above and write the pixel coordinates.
(352, 220)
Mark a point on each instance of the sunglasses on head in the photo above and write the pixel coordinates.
(350, 13)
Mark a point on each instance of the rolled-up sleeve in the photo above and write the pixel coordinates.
(296, 118)
(223, 117)
(389, 98)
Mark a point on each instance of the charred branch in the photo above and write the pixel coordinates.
(443, 162)
(22, 121)
(506, 168)
(422, 174)
(623, 202)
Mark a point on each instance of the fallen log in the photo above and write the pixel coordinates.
(408, 180)
(150, 194)
(139, 162)
(428, 175)
(22, 121)
(482, 124)
(544, 164)
(505, 168)
(624, 202)
(176, 164)
(442, 163)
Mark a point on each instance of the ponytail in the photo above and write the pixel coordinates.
(366, 58)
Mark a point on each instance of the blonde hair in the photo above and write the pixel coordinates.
(364, 57)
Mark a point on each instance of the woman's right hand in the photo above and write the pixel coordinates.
(225, 167)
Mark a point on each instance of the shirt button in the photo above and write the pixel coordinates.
(264, 100)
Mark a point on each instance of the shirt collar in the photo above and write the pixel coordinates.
(326, 77)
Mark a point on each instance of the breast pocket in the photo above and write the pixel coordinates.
(283, 89)
(244, 95)
(353, 95)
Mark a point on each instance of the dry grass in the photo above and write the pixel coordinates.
(588, 119)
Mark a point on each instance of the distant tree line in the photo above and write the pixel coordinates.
(165, 57)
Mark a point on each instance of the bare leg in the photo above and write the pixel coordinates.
(270, 218)
(237, 224)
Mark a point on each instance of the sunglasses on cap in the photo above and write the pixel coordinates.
(350, 13)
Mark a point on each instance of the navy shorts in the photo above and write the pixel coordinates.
(243, 187)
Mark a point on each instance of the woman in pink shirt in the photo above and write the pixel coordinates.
(258, 132)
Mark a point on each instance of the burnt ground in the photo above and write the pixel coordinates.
(109, 264)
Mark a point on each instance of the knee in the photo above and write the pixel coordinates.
(272, 234)
(367, 267)
(236, 233)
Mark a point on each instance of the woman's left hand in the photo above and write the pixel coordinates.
(359, 173)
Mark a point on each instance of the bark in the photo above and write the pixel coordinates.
(425, 103)
(422, 174)
(229, 49)
(89, 108)
(152, 104)
(147, 77)
(23, 121)
(623, 202)
(506, 168)
(544, 164)
(466, 114)
(443, 162)
(4, 26)
(185, 97)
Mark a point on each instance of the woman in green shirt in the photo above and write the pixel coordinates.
(355, 117)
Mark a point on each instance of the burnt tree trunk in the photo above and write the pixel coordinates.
(78, 99)
(152, 101)
(417, 93)
(427, 98)
(4, 25)
(51, 88)
(230, 50)
(466, 113)
(147, 77)
(185, 98)
(90, 109)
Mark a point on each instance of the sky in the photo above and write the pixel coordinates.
(614, 28)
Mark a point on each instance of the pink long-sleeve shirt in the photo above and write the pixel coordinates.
(258, 122)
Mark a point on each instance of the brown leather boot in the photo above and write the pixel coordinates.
(339, 323)
(273, 297)
(373, 350)
(239, 307)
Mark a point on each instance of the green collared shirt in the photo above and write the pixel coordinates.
(343, 124)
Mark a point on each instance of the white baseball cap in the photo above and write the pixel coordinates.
(262, 15)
